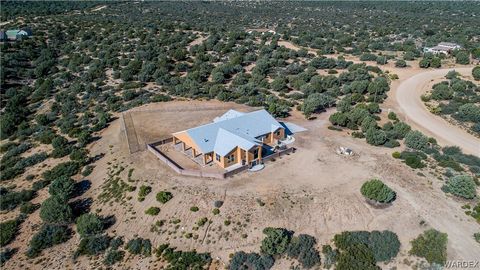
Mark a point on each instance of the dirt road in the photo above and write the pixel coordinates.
(408, 98)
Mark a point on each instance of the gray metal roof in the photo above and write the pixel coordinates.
(233, 129)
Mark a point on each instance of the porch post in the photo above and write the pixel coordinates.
(194, 152)
(204, 160)
(183, 146)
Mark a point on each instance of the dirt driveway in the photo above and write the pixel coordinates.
(408, 95)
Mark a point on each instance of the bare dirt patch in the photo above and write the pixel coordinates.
(313, 191)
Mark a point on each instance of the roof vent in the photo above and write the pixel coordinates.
(205, 140)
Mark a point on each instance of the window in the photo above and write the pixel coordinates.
(217, 157)
(255, 153)
(231, 158)
(277, 133)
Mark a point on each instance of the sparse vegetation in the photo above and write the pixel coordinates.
(431, 245)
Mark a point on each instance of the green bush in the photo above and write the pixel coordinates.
(184, 259)
(276, 241)
(139, 246)
(48, 236)
(89, 224)
(113, 256)
(357, 256)
(164, 196)
(10, 199)
(55, 210)
(376, 190)
(375, 136)
(216, 211)
(476, 236)
(92, 245)
(66, 169)
(476, 73)
(202, 221)
(396, 154)
(416, 140)
(194, 209)
(329, 256)
(303, 249)
(62, 187)
(143, 192)
(413, 159)
(8, 231)
(28, 208)
(6, 254)
(153, 211)
(461, 186)
(242, 260)
(383, 244)
(431, 245)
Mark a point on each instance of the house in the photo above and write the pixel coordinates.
(17, 34)
(443, 47)
(235, 138)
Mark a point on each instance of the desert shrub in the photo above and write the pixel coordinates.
(67, 169)
(116, 242)
(476, 236)
(10, 199)
(55, 210)
(8, 231)
(413, 159)
(152, 211)
(89, 224)
(202, 221)
(375, 136)
(87, 170)
(194, 209)
(329, 256)
(391, 143)
(392, 116)
(143, 192)
(28, 208)
(92, 245)
(396, 154)
(164, 196)
(184, 259)
(40, 184)
(276, 241)
(357, 256)
(216, 211)
(303, 249)
(383, 244)
(48, 236)
(242, 260)
(6, 254)
(62, 187)
(416, 140)
(376, 190)
(461, 186)
(31, 160)
(139, 246)
(431, 245)
(113, 256)
(7, 146)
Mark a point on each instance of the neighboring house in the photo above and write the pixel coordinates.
(17, 34)
(443, 47)
(234, 138)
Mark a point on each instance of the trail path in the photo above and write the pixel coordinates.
(408, 98)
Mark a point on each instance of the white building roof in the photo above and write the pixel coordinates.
(233, 129)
